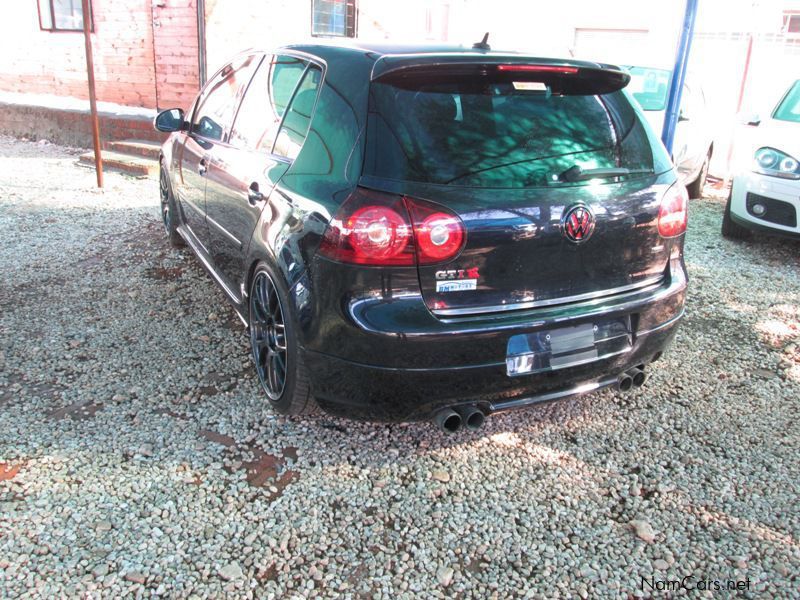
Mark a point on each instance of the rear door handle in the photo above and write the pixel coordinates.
(254, 196)
(203, 168)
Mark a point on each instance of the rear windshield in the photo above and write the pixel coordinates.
(789, 108)
(481, 133)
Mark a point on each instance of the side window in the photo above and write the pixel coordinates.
(212, 119)
(295, 125)
(265, 102)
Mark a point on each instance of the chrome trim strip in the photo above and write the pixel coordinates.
(660, 326)
(652, 282)
(522, 320)
(224, 231)
(192, 242)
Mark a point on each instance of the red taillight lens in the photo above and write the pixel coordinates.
(370, 228)
(439, 235)
(378, 233)
(673, 214)
(374, 228)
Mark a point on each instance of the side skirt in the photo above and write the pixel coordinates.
(206, 262)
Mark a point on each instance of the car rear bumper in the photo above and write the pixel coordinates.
(446, 362)
(780, 197)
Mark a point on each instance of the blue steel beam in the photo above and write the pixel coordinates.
(679, 75)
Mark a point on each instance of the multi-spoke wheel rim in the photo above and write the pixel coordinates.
(268, 335)
(166, 217)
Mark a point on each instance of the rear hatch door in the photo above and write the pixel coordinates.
(552, 171)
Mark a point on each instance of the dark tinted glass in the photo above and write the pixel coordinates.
(254, 128)
(265, 102)
(214, 115)
(295, 125)
(512, 134)
(789, 108)
(285, 72)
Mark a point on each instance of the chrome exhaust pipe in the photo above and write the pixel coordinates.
(638, 376)
(472, 417)
(447, 420)
(624, 383)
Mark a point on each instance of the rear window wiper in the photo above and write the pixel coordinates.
(577, 173)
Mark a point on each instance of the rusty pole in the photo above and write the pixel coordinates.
(87, 27)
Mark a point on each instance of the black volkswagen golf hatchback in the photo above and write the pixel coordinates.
(429, 232)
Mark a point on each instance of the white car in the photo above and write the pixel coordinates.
(765, 193)
(693, 142)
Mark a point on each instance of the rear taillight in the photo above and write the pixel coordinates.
(375, 228)
(370, 228)
(673, 214)
(439, 235)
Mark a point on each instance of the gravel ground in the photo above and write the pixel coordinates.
(137, 456)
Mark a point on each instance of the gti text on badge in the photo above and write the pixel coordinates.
(457, 280)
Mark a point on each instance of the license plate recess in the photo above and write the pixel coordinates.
(563, 347)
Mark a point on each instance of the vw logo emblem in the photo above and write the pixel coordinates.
(578, 224)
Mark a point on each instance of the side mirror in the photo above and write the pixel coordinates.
(752, 119)
(169, 120)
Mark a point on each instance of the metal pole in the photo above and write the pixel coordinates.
(679, 75)
(201, 40)
(87, 26)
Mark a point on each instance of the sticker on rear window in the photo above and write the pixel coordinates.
(459, 285)
(530, 86)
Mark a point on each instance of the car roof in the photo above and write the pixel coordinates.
(373, 51)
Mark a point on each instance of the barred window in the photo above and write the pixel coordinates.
(333, 18)
(61, 15)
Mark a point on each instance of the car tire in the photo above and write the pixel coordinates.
(169, 210)
(695, 188)
(273, 343)
(731, 229)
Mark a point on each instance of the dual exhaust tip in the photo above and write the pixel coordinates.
(451, 420)
(470, 417)
(630, 379)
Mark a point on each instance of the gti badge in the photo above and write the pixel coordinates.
(457, 280)
(578, 223)
(471, 273)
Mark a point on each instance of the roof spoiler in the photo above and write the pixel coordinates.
(565, 78)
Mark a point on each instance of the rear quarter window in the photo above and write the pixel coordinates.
(297, 120)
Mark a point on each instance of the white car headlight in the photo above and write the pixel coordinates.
(769, 161)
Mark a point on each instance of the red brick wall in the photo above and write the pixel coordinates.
(72, 128)
(144, 56)
(176, 54)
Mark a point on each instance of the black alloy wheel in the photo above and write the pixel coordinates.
(169, 216)
(273, 341)
(163, 188)
(268, 336)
